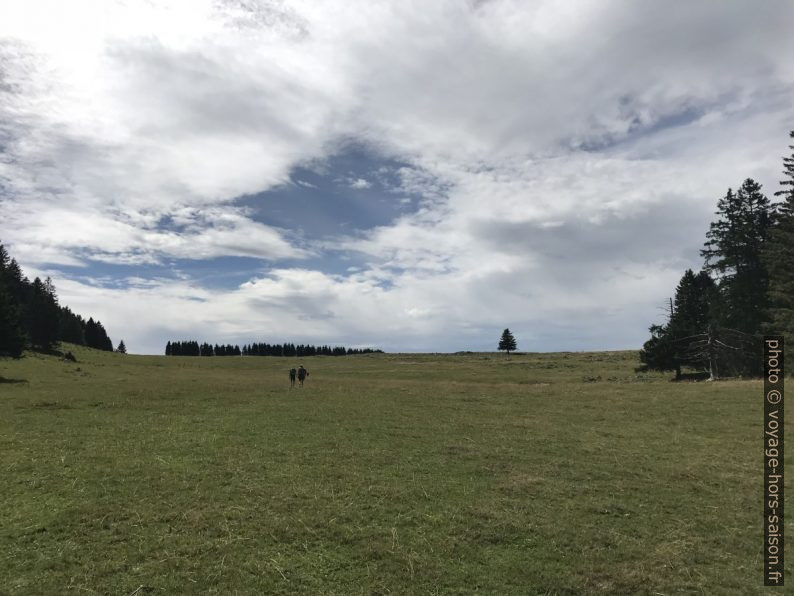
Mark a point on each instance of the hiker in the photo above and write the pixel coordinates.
(302, 374)
(292, 373)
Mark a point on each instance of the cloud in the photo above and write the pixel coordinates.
(360, 183)
(559, 162)
(60, 235)
(442, 312)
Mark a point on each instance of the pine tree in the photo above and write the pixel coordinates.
(90, 333)
(43, 314)
(12, 335)
(121, 349)
(507, 342)
(691, 314)
(733, 251)
(12, 332)
(696, 300)
(779, 258)
(658, 353)
(105, 342)
(70, 327)
(19, 286)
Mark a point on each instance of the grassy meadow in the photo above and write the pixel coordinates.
(563, 473)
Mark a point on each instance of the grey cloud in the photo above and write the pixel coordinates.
(669, 233)
(490, 85)
(261, 14)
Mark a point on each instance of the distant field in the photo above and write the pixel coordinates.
(405, 474)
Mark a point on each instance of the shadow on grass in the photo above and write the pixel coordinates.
(3, 380)
(54, 352)
(693, 376)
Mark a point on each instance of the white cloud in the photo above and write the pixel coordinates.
(548, 144)
(447, 311)
(360, 183)
(52, 233)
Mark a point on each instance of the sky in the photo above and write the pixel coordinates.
(413, 176)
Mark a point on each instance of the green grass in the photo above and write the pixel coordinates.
(408, 474)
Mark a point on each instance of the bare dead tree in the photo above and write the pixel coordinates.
(718, 348)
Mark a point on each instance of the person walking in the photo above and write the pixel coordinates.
(302, 374)
(292, 375)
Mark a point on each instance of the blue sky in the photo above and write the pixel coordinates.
(413, 176)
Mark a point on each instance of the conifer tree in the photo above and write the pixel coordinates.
(779, 258)
(43, 314)
(12, 332)
(507, 342)
(691, 315)
(121, 349)
(70, 327)
(658, 353)
(12, 335)
(696, 300)
(90, 333)
(733, 252)
(105, 342)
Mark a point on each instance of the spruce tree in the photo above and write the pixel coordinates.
(507, 342)
(779, 258)
(90, 333)
(658, 353)
(105, 342)
(691, 314)
(12, 332)
(43, 314)
(121, 349)
(70, 327)
(733, 252)
(12, 335)
(696, 300)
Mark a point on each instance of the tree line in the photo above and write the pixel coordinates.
(193, 348)
(31, 317)
(718, 316)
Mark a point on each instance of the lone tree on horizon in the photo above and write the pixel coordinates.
(122, 349)
(507, 343)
